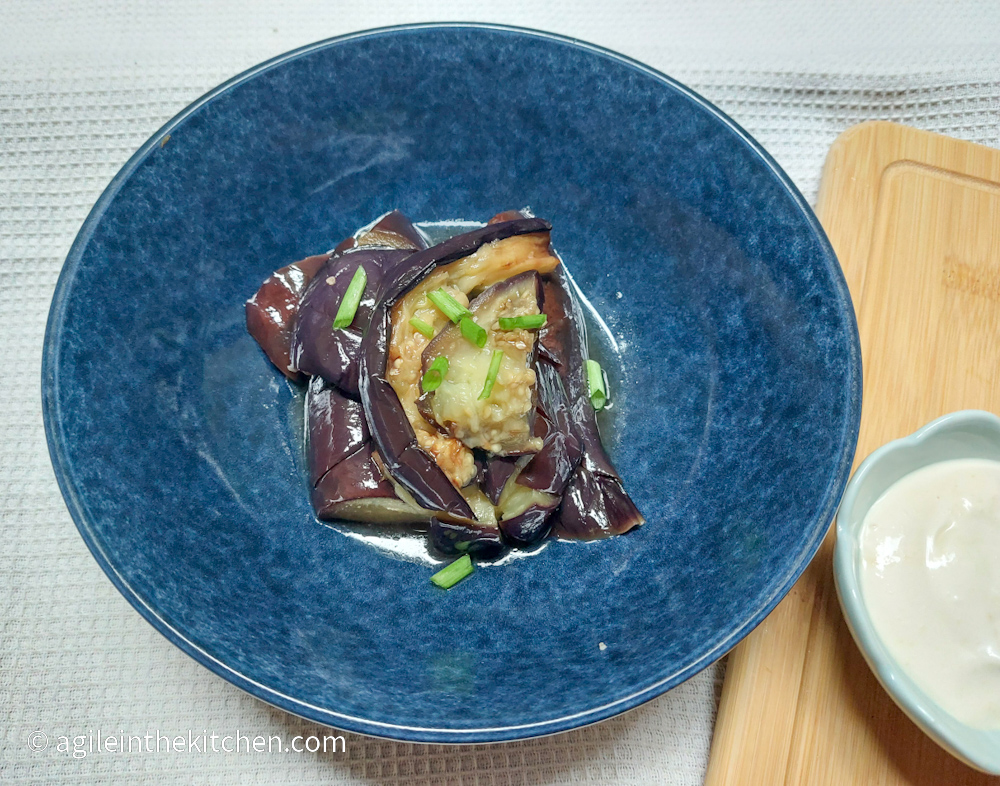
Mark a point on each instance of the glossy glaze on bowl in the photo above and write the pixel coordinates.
(958, 435)
(731, 346)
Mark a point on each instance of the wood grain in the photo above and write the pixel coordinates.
(915, 220)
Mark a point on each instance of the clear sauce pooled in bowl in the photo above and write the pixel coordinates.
(930, 548)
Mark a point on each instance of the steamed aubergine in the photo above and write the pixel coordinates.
(446, 385)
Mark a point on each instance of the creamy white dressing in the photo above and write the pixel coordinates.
(931, 582)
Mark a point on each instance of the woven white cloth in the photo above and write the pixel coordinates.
(83, 83)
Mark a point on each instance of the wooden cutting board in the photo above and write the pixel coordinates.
(915, 220)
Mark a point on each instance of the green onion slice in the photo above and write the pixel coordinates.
(453, 573)
(447, 305)
(352, 299)
(596, 386)
(434, 375)
(491, 375)
(473, 333)
(525, 321)
(422, 327)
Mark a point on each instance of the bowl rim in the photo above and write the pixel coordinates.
(979, 748)
(825, 506)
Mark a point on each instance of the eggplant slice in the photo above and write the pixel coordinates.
(595, 504)
(355, 490)
(531, 498)
(344, 474)
(455, 538)
(494, 473)
(273, 311)
(335, 428)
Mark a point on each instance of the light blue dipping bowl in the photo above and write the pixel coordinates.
(958, 435)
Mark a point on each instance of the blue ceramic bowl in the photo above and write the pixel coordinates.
(958, 435)
(727, 332)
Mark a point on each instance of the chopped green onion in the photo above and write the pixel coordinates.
(525, 321)
(451, 574)
(352, 299)
(596, 386)
(434, 375)
(472, 332)
(491, 375)
(447, 305)
(422, 327)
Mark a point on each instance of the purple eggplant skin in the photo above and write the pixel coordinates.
(272, 312)
(495, 473)
(336, 428)
(550, 469)
(529, 527)
(595, 504)
(356, 477)
(317, 348)
(454, 538)
(411, 466)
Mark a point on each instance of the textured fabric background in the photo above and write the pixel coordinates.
(83, 84)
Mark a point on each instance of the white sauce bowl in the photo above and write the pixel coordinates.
(959, 435)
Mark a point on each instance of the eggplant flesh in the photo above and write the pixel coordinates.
(534, 490)
(501, 423)
(413, 468)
